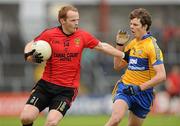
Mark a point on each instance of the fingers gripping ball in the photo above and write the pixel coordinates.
(43, 48)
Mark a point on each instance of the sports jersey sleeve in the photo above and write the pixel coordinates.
(43, 36)
(90, 41)
(154, 53)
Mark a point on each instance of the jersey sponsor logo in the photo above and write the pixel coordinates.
(139, 64)
(136, 68)
(133, 61)
(66, 56)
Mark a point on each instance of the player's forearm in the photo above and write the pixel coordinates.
(109, 50)
(28, 49)
(153, 82)
(118, 64)
(157, 79)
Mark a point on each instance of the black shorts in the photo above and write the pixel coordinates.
(46, 94)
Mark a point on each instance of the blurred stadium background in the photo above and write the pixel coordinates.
(22, 20)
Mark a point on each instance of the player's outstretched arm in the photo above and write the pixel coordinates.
(119, 63)
(108, 49)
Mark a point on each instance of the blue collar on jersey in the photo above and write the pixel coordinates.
(146, 35)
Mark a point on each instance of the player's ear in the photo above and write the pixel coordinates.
(145, 27)
(62, 20)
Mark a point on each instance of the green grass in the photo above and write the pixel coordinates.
(158, 120)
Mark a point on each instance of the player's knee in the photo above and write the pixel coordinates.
(26, 119)
(115, 121)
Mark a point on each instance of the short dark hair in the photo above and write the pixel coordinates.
(143, 15)
(63, 11)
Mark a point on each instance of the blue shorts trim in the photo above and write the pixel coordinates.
(139, 104)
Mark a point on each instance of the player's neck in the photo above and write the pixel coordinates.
(65, 31)
(141, 36)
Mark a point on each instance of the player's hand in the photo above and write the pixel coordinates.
(35, 56)
(122, 37)
(132, 90)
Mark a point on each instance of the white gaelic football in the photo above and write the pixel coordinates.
(42, 47)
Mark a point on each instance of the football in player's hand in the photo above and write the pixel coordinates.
(43, 48)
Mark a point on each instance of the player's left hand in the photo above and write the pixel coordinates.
(131, 90)
(35, 56)
(26, 55)
(122, 37)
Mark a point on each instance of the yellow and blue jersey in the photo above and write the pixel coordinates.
(144, 54)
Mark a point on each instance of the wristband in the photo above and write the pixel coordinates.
(119, 44)
(123, 55)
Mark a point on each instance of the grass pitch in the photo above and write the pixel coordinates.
(98, 120)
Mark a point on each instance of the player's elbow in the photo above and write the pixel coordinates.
(116, 68)
(118, 65)
(162, 76)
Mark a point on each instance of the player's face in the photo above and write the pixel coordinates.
(137, 29)
(71, 22)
